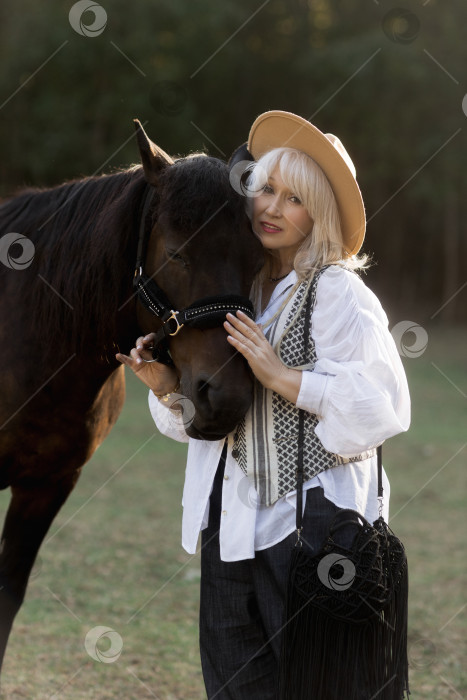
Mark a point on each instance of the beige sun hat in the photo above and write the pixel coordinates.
(277, 129)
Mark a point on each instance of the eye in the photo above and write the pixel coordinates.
(295, 199)
(267, 189)
(174, 256)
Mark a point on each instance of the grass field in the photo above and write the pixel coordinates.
(113, 556)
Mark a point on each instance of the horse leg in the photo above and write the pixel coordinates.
(30, 514)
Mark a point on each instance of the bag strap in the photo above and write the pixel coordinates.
(299, 514)
(379, 453)
(301, 442)
(301, 426)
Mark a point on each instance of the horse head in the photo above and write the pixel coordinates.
(201, 247)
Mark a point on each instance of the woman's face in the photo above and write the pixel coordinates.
(279, 218)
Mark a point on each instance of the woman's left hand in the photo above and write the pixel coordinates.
(248, 338)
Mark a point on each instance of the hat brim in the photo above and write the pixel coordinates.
(278, 129)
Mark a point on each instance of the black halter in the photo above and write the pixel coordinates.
(204, 313)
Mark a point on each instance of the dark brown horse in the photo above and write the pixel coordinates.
(67, 305)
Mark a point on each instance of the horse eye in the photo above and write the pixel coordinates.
(176, 257)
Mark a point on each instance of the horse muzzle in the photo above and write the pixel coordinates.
(215, 404)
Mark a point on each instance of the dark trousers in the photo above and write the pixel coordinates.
(242, 604)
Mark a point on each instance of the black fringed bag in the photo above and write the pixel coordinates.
(345, 633)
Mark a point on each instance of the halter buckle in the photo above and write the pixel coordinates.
(173, 317)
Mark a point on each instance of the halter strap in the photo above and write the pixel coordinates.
(204, 313)
(143, 230)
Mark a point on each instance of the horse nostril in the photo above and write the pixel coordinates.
(203, 389)
(219, 404)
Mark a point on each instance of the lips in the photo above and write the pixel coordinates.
(269, 228)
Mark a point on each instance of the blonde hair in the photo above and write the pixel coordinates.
(303, 176)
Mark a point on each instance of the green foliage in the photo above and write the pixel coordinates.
(389, 84)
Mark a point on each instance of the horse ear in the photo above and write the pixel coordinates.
(153, 158)
(241, 153)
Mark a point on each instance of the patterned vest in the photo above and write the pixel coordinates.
(266, 441)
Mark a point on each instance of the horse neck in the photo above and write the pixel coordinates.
(84, 235)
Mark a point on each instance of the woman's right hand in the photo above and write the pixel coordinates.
(160, 378)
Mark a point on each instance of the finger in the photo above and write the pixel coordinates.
(239, 346)
(247, 320)
(145, 341)
(244, 345)
(252, 332)
(145, 354)
(125, 360)
(242, 334)
(140, 353)
(135, 354)
(239, 324)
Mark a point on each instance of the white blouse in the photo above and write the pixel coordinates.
(359, 392)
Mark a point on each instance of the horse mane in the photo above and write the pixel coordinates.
(194, 189)
(85, 244)
(85, 238)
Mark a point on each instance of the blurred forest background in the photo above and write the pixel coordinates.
(387, 78)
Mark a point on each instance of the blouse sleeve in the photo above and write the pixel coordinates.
(169, 423)
(358, 387)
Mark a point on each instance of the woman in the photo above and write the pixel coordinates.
(306, 207)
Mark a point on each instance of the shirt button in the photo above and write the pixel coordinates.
(235, 454)
(226, 477)
(224, 512)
